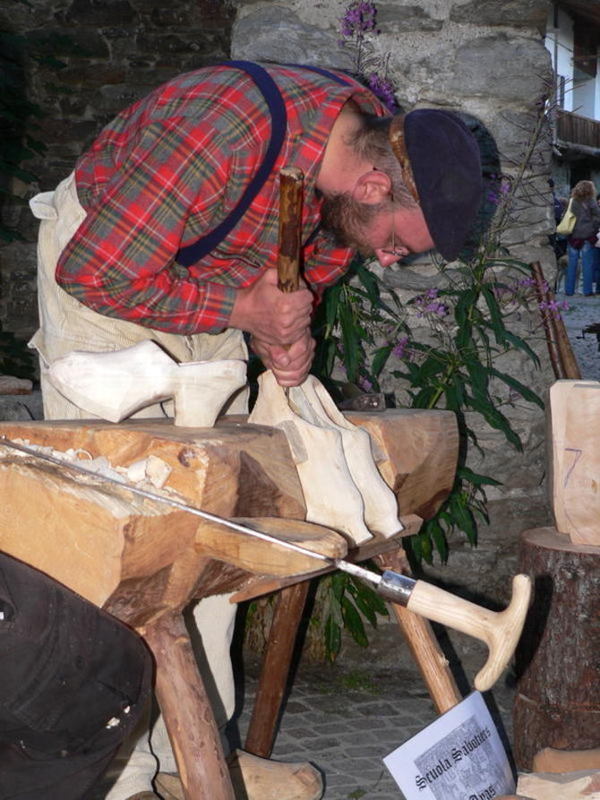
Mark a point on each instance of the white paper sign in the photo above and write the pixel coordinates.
(460, 756)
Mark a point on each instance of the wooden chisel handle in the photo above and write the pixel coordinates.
(500, 630)
(290, 228)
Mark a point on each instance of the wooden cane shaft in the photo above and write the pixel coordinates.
(561, 353)
(431, 662)
(568, 359)
(290, 228)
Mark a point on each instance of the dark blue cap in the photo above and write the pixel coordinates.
(441, 165)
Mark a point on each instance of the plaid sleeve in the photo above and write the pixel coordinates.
(121, 260)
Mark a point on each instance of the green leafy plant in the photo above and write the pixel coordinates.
(346, 603)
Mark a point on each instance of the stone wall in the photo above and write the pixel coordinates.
(482, 57)
(81, 62)
(487, 60)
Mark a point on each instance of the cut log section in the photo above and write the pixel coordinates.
(551, 760)
(557, 702)
(110, 546)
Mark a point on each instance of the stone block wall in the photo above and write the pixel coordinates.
(81, 62)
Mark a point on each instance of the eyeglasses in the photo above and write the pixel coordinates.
(393, 250)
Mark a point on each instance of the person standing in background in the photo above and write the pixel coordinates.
(582, 240)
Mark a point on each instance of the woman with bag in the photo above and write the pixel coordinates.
(583, 218)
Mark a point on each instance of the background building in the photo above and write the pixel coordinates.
(573, 41)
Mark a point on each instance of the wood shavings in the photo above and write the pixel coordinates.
(150, 471)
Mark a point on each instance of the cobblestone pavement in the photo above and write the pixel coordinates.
(346, 717)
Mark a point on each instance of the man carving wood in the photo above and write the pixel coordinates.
(167, 230)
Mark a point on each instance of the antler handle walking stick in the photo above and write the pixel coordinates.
(500, 630)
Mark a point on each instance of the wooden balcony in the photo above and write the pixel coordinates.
(575, 131)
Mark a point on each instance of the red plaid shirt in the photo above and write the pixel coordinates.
(169, 168)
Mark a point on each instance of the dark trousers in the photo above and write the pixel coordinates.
(73, 684)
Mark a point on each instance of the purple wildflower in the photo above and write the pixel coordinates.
(383, 89)
(358, 19)
(555, 307)
(530, 283)
(437, 309)
(365, 384)
(400, 349)
(499, 189)
(429, 304)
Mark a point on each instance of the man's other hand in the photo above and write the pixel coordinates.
(289, 365)
(272, 316)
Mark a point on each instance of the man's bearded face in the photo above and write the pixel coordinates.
(347, 221)
(386, 230)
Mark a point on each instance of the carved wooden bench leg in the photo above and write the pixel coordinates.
(430, 660)
(417, 631)
(187, 712)
(275, 669)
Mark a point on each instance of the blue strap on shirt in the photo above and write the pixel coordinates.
(192, 253)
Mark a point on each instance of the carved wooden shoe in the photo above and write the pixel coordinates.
(201, 389)
(256, 778)
(381, 507)
(114, 385)
(261, 779)
(331, 496)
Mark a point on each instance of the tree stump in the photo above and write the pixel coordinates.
(558, 658)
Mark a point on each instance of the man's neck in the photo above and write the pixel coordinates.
(340, 167)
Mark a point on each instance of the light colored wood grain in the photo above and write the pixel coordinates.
(424, 646)
(499, 630)
(313, 401)
(114, 385)
(104, 542)
(567, 786)
(332, 498)
(263, 557)
(574, 449)
(551, 759)
(416, 452)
